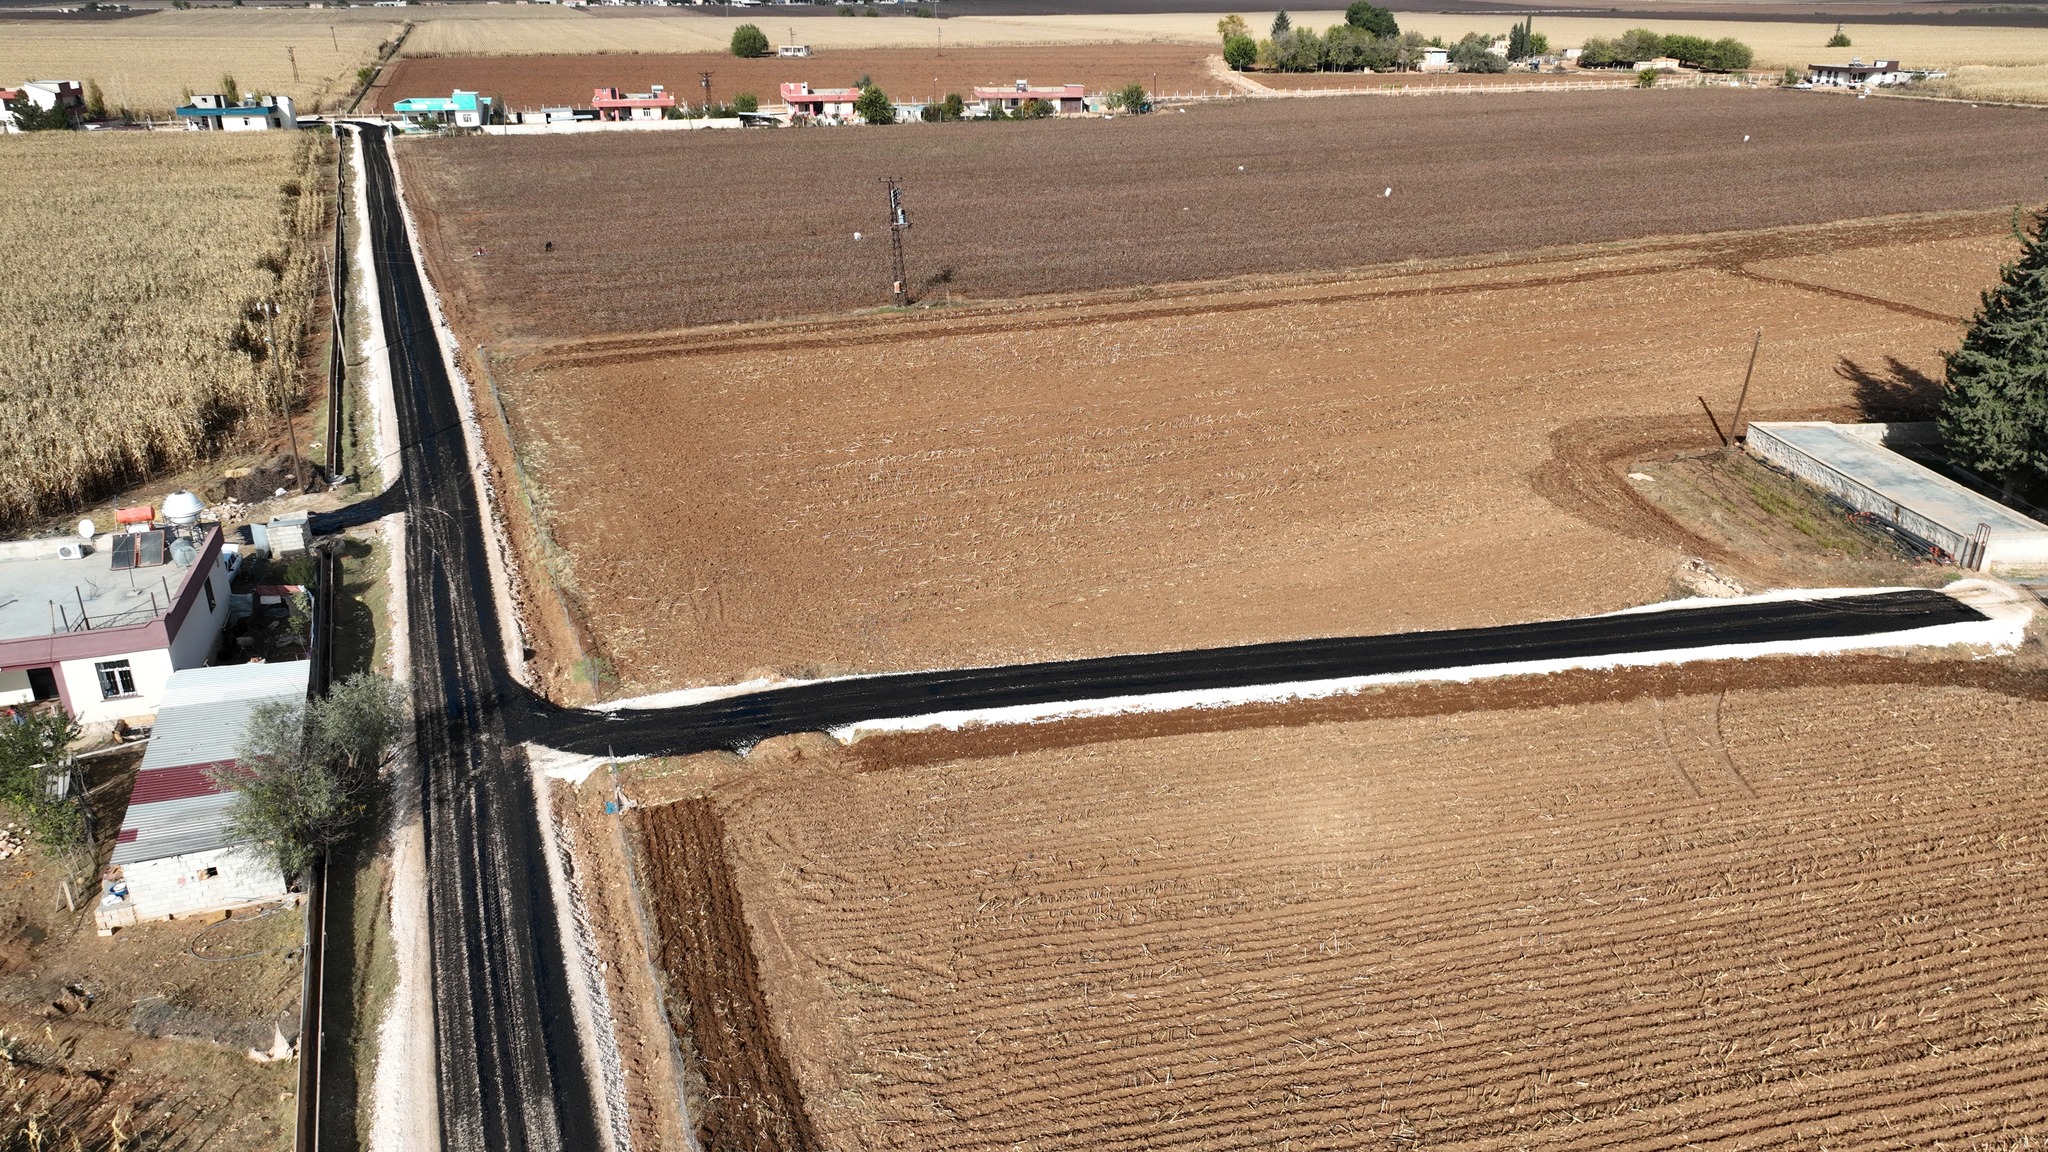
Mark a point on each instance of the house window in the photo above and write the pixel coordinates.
(210, 874)
(116, 679)
(211, 604)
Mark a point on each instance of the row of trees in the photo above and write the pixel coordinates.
(1994, 413)
(1368, 40)
(1639, 44)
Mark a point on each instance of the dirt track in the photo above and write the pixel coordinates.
(1732, 920)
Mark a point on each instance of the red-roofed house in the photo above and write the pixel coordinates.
(176, 855)
(611, 104)
(822, 103)
(1065, 98)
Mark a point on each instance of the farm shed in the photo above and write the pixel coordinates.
(174, 855)
(99, 626)
(1065, 98)
(1852, 463)
(217, 113)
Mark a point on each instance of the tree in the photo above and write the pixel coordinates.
(748, 40)
(95, 101)
(1994, 411)
(1281, 24)
(32, 746)
(1240, 52)
(1524, 41)
(1372, 18)
(1033, 109)
(229, 88)
(873, 106)
(1131, 99)
(1600, 52)
(1231, 27)
(1840, 39)
(304, 772)
(951, 108)
(1646, 77)
(1349, 49)
(30, 118)
(1637, 45)
(1474, 53)
(746, 102)
(1727, 55)
(1298, 50)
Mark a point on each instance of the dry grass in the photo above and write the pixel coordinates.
(128, 333)
(145, 63)
(502, 31)
(2018, 84)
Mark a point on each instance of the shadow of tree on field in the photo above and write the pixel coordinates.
(1899, 391)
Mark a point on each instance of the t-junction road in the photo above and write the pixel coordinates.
(511, 1073)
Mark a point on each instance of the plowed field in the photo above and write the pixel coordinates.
(1374, 455)
(1742, 920)
(664, 230)
(904, 73)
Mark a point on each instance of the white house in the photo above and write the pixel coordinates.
(100, 627)
(216, 113)
(175, 855)
(820, 103)
(1857, 74)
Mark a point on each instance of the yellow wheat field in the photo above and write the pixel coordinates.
(146, 63)
(2026, 84)
(515, 31)
(128, 333)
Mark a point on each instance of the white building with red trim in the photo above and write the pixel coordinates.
(820, 103)
(176, 855)
(101, 627)
(612, 104)
(1065, 98)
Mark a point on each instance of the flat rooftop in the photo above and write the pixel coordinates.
(40, 592)
(1913, 486)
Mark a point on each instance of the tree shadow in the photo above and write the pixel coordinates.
(1898, 392)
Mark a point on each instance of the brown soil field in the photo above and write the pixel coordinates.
(704, 227)
(1173, 470)
(1739, 919)
(905, 73)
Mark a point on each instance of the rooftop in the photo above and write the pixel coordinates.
(44, 594)
(176, 808)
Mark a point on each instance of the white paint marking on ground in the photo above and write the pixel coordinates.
(571, 767)
(2006, 627)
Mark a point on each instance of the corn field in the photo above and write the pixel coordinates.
(132, 339)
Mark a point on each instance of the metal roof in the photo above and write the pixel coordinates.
(175, 807)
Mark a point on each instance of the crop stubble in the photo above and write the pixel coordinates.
(1738, 919)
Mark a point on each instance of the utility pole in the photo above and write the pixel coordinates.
(292, 54)
(283, 391)
(1735, 421)
(898, 225)
(704, 79)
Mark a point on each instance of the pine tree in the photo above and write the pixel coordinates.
(1281, 24)
(1994, 413)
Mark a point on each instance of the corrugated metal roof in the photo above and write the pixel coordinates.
(199, 725)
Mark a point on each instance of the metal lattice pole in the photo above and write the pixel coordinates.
(899, 223)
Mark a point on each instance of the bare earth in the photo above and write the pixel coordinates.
(1739, 920)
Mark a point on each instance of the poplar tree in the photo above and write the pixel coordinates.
(1994, 412)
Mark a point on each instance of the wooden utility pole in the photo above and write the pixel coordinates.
(704, 78)
(292, 54)
(284, 406)
(1735, 422)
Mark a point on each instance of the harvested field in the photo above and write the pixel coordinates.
(1739, 920)
(138, 347)
(144, 63)
(1197, 468)
(905, 73)
(1010, 209)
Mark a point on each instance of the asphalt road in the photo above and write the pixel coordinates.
(741, 721)
(511, 1072)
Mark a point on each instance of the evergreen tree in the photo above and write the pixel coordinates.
(1281, 24)
(1994, 413)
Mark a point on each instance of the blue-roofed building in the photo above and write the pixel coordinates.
(217, 113)
(176, 855)
(458, 109)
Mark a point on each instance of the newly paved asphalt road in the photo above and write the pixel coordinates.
(511, 1072)
(741, 721)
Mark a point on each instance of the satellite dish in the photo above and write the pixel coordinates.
(87, 529)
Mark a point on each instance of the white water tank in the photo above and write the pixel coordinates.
(183, 508)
